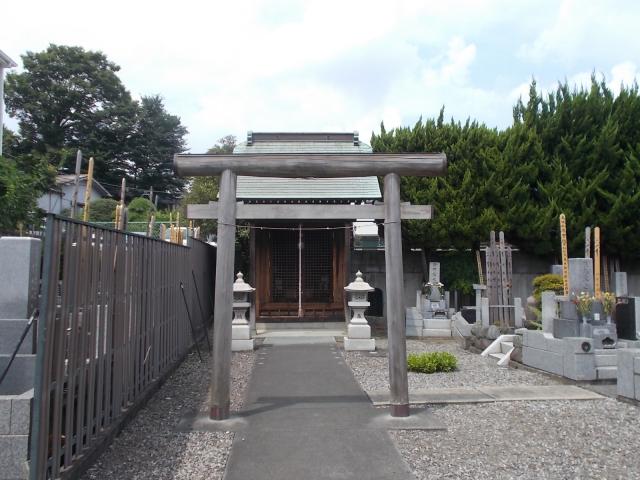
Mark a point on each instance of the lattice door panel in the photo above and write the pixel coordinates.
(284, 266)
(317, 267)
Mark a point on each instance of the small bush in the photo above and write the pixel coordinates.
(549, 281)
(140, 209)
(431, 362)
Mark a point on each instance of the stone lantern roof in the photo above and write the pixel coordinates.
(239, 286)
(359, 285)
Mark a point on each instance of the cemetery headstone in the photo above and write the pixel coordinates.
(581, 275)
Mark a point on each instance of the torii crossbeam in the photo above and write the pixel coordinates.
(321, 165)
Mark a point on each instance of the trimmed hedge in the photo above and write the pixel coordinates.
(431, 362)
(549, 281)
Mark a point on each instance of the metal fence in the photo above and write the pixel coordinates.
(113, 323)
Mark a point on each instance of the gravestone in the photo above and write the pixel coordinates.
(556, 269)
(581, 275)
(434, 272)
(620, 282)
(548, 310)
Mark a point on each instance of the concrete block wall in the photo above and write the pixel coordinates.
(15, 415)
(20, 280)
(571, 357)
(629, 373)
(372, 265)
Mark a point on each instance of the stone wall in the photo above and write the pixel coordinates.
(371, 264)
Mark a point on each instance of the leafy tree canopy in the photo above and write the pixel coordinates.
(22, 181)
(570, 151)
(205, 189)
(68, 98)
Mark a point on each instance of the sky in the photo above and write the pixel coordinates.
(226, 67)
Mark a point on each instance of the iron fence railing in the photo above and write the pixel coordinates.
(112, 324)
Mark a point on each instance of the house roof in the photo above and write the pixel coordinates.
(274, 188)
(5, 61)
(69, 179)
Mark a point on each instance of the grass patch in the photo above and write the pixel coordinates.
(431, 362)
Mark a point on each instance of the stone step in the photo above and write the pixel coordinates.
(606, 360)
(10, 332)
(436, 332)
(498, 356)
(505, 347)
(437, 323)
(413, 331)
(21, 375)
(606, 373)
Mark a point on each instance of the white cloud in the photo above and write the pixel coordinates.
(227, 67)
(579, 29)
(625, 73)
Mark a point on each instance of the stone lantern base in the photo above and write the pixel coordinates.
(359, 332)
(241, 340)
(359, 344)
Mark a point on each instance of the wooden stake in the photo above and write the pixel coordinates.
(87, 192)
(121, 217)
(565, 255)
(596, 263)
(76, 184)
(587, 242)
(504, 293)
(479, 260)
(152, 222)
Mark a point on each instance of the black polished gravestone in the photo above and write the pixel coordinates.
(628, 318)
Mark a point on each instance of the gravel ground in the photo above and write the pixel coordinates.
(595, 439)
(509, 440)
(372, 372)
(149, 448)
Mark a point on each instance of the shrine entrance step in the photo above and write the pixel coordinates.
(262, 327)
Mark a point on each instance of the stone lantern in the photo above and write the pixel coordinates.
(359, 332)
(240, 331)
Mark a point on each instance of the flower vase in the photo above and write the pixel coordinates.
(585, 320)
(608, 319)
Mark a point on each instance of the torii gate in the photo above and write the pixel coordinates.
(319, 165)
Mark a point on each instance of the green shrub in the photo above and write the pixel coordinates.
(550, 281)
(140, 209)
(101, 210)
(431, 362)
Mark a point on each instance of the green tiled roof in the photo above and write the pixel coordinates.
(349, 188)
(268, 188)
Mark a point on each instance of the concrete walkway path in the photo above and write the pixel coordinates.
(307, 418)
(508, 393)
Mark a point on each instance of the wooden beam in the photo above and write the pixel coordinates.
(309, 212)
(317, 165)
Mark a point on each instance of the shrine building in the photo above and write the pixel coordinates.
(299, 272)
(300, 267)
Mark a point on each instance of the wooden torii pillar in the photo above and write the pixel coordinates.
(319, 165)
